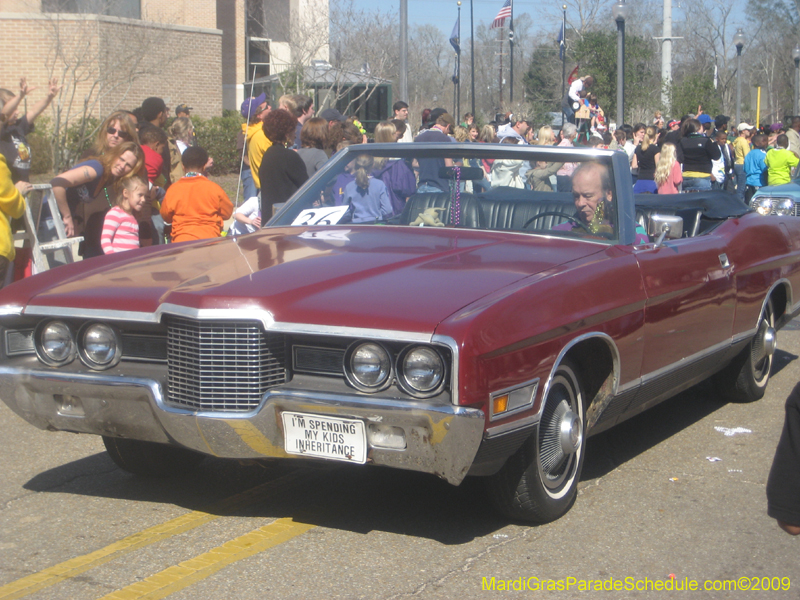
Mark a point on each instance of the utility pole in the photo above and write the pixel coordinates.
(472, 53)
(403, 92)
(666, 56)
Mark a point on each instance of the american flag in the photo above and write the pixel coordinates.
(501, 17)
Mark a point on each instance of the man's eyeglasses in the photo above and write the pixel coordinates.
(119, 132)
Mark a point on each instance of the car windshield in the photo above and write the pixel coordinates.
(541, 190)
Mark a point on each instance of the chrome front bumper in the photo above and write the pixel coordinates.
(440, 439)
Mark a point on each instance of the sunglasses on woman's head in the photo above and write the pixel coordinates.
(119, 132)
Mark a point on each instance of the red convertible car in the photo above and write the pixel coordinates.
(442, 308)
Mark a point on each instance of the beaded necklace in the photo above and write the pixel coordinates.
(105, 191)
(193, 174)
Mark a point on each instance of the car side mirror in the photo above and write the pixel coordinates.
(665, 226)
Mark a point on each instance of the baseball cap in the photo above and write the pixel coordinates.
(331, 114)
(672, 123)
(182, 108)
(250, 106)
(720, 120)
(704, 118)
(743, 126)
(776, 126)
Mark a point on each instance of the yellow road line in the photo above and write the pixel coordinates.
(81, 564)
(196, 569)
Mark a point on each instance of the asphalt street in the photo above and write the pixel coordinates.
(674, 496)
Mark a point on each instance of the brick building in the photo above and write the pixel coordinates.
(112, 53)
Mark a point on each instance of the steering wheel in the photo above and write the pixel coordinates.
(552, 213)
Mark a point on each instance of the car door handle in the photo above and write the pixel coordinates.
(724, 262)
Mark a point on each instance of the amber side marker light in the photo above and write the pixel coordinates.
(500, 404)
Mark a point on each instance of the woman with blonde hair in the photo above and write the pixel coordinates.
(645, 157)
(86, 192)
(461, 134)
(182, 131)
(546, 137)
(117, 128)
(668, 176)
(488, 135)
(395, 173)
(385, 133)
(367, 195)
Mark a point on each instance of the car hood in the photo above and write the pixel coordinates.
(404, 279)
(786, 189)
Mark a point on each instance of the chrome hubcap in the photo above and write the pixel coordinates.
(570, 433)
(764, 345)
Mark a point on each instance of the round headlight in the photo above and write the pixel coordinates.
(55, 343)
(99, 346)
(784, 207)
(368, 367)
(763, 205)
(421, 370)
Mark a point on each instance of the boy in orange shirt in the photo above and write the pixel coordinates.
(196, 207)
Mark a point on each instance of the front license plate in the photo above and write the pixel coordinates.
(325, 437)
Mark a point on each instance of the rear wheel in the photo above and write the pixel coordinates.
(539, 482)
(149, 459)
(746, 378)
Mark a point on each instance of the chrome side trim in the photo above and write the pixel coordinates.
(111, 315)
(615, 360)
(686, 360)
(745, 335)
(10, 310)
(357, 332)
(509, 427)
(789, 297)
(445, 340)
(248, 313)
(633, 383)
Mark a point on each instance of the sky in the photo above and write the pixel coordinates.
(443, 13)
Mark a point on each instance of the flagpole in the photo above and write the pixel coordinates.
(472, 54)
(458, 68)
(563, 63)
(511, 54)
(501, 68)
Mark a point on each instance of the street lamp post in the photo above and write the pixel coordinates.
(796, 57)
(738, 41)
(620, 11)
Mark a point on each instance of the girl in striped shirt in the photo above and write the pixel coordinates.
(120, 229)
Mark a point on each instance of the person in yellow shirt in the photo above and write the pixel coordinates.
(257, 142)
(741, 146)
(12, 205)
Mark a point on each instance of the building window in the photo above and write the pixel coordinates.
(258, 57)
(130, 9)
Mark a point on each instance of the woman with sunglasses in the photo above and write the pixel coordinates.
(86, 192)
(117, 128)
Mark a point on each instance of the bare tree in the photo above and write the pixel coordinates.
(96, 71)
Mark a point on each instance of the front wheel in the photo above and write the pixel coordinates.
(149, 459)
(539, 482)
(745, 379)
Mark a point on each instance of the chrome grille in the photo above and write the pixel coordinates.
(221, 365)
